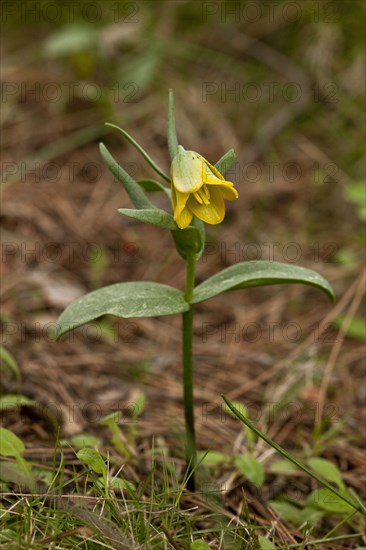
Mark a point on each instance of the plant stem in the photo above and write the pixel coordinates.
(191, 452)
(190, 278)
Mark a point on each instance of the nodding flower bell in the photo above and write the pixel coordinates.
(198, 189)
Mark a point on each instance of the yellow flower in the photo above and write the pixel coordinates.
(198, 189)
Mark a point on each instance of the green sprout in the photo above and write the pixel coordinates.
(197, 193)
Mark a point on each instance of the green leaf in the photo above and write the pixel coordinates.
(85, 440)
(265, 544)
(9, 362)
(93, 460)
(17, 472)
(328, 501)
(121, 484)
(11, 401)
(154, 216)
(258, 273)
(211, 458)
(139, 406)
(283, 466)
(70, 39)
(327, 469)
(153, 186)
(10, 444)
(146, 156)
(356, 192)
(46, 476)
(226, 161)
(132, 299)
(199, 545)
(134, 191)
(356, 329)
(172, 134)
(286, 510)
(295, 515)
(251, 468)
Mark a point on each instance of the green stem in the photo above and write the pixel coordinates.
(191, 451)
(190, 278)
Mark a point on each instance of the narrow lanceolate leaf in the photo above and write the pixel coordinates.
(152, 186)
(134, 191)
(172, 134)
(146, 156)
(359, 506)
(155, 216)
(258, 273)
(132, 299)
(226, 161)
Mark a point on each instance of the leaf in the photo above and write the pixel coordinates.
(85, 440)
(199, 545)
(211, 458)
(138, 406)
(153, 186)
(328, 501)
(71, 39)
(46, 476)
(11, 401)
(295, 515)
(327, 469)
(283, 466)
(356, 192)
(265, 544)
(226, 161)
(258, 273)
(121, 484)
(286, 510)
(93, 460)
(155, 216)
(142, 151)
(238, 406)
(172, 134)
(10, 444)
(132, 299)
(134, 191)
(15, 472)
(356, 328)
(10, 362)
(251, 468)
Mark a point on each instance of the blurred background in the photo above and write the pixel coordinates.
(280, 82)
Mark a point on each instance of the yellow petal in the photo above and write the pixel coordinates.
(187, 171)
(229, 193)
(182, 215)
(210, 213)
(183, 219)
(214, 171)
